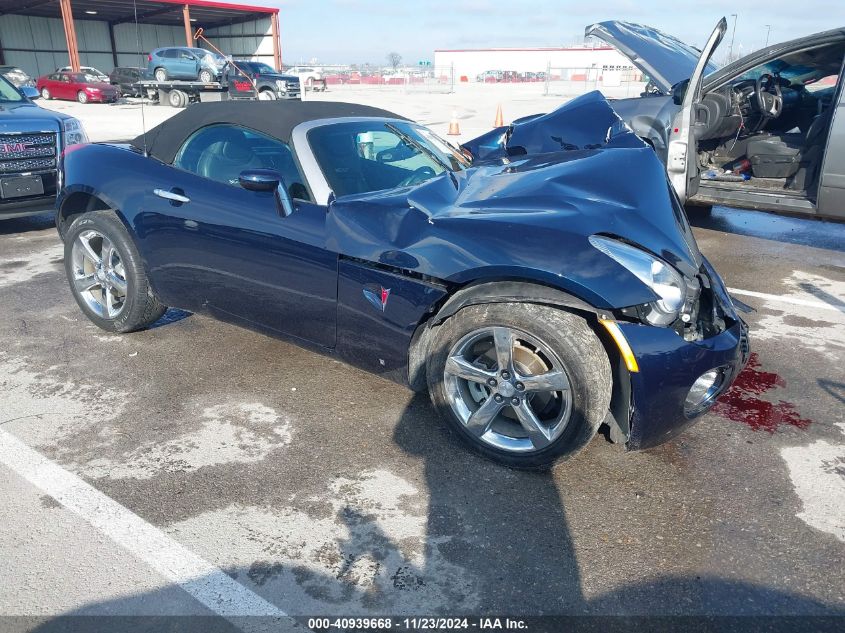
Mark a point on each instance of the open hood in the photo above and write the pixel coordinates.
(665, 59)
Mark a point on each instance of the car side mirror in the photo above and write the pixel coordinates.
(268, 180)
(30, 92)
(679, 91)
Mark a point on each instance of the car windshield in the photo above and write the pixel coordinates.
(8, 93)
(804, 67)
(365, 156)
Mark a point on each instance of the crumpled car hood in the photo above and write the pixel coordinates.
(588, 122)
(665, 59)
(529, 215)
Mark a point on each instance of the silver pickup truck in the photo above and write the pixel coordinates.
(31, 142)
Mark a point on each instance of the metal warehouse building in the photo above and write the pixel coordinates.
(569, 62)
(43, 35)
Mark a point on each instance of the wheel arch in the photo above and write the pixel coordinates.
(76, 201)
(521, 291)
(490, 291)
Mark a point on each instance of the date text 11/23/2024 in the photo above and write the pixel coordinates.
(418, 624)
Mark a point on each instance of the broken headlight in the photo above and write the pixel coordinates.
(666, 282)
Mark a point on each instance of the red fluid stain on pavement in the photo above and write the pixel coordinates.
(741, 404)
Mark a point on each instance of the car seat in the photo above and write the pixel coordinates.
(781, 156)
(227, 157)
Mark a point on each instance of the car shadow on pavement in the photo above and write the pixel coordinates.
(835, 389)
(28, 223)
(173, 315)
(769, 226)
(503, 532)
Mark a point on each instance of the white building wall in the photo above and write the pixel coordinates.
(471, 63)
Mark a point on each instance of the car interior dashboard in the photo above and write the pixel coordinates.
(773, 120)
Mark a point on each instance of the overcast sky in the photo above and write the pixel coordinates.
(356, 31)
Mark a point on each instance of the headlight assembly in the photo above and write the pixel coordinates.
(74, 132)
(666, 282)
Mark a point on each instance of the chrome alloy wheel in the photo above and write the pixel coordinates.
(508, 389)
(98, 274)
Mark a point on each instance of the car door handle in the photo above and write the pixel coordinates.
(171, 195)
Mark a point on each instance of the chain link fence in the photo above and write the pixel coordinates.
(422, 79)
(614, 81)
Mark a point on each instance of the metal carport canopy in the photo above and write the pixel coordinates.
(188, 13)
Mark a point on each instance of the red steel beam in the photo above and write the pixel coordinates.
(70, 35)
(277, 42)
(186, 18)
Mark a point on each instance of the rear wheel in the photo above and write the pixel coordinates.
(177, 98)
(160, 74)
(206, 76)
(45, 94)
(106, 276)
(520, 383)
(82, 97)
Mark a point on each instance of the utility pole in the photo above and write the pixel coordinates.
(768, 30)
(733, 35)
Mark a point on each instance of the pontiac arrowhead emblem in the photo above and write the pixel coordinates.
(377, 296)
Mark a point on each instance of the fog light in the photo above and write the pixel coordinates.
(703, 392)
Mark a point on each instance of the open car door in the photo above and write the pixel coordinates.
(687, 126)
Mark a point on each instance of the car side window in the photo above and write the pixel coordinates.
(221, 152)
(371, 156)
(186, 55)
(169, 53)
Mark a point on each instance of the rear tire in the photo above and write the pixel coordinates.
(45, 94)
(177, 98)
(106, 275)
(160, 74)
(568, 404)
(82, 97)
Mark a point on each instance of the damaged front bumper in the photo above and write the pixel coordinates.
(668, 366)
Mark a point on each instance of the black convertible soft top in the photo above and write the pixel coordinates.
(274, 118)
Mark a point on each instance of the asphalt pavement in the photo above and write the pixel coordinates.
(198, 468)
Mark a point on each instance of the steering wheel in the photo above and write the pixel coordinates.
(419, 175)
(769, 103)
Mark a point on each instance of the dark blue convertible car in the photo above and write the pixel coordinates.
(539, 282)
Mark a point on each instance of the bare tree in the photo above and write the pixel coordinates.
(394, 59)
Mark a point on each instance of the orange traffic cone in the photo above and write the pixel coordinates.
(454, 128)
(499, 122)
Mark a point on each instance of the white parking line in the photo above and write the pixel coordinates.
(199, 578)
(782, 299)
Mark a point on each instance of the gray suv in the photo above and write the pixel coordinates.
(181, 62)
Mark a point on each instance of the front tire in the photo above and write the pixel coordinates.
(206, 76)
(82, 97)
(520, 383)
(106, 275)
(267, 95)
(45, 94)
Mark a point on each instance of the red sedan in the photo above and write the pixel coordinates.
(76, 86)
